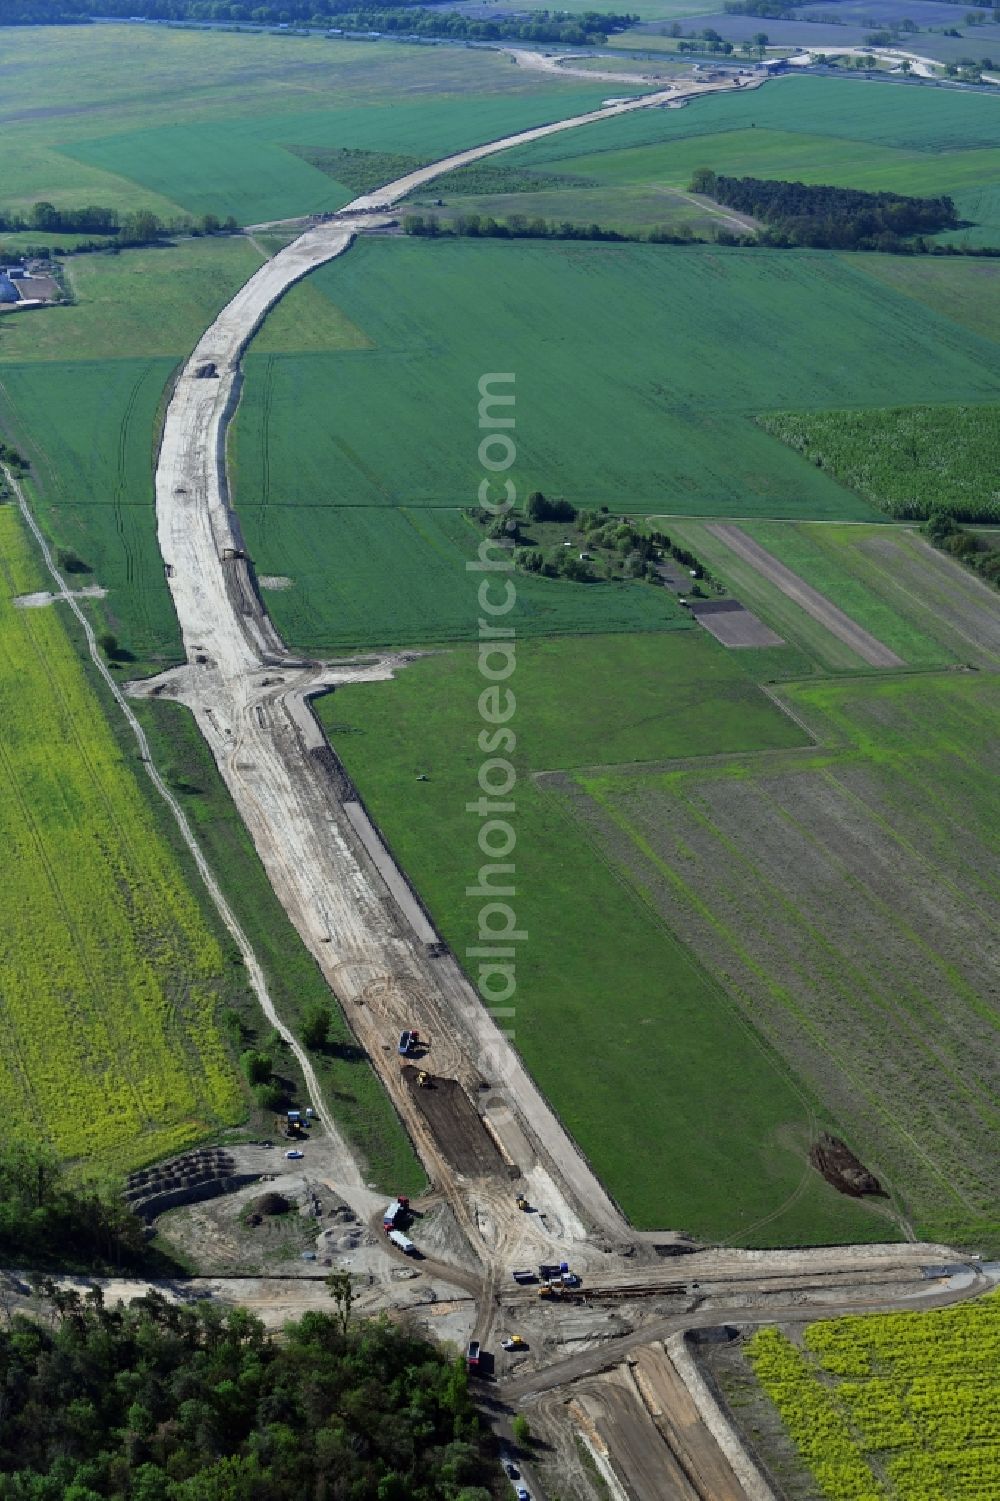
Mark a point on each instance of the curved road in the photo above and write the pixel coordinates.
(268, 746)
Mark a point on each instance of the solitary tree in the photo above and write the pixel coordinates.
(316, 1025)
(342, 1292)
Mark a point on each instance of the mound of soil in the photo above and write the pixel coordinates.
(839, 1166)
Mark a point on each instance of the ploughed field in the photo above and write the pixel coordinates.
(847, 896)
(918, 603)
(112, 982)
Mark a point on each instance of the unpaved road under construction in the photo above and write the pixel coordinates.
(351, 904)
(338, 883)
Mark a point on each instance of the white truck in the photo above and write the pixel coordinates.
(403, 1242)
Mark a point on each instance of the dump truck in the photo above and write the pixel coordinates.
(393, 1213)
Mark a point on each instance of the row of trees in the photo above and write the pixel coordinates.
(142, 227)
(403, 16)
(168, 1402)
(519, 227)
(540, 26)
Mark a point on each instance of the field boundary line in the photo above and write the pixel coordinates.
(348, 1166)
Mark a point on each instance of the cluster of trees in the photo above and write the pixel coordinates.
(46, 1218)
(841, 218)
(770, 10)
(706, 40)
(945, 532)
(404, 16)
(13, 459)
(168, 1402)
(519, 227)
(628, 553)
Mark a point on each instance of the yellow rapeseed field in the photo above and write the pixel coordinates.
(893, 1407)
(110, 980)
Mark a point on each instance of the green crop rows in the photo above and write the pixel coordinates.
(893, 1407)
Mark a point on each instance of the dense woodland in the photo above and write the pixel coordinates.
(47, 1219)
(166, 1402)
(406, 16)
(800, 213)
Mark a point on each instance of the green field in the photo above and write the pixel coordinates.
(364, 600)
(717, 1144)
(87, 427)
(873, 859)
(648, 332)
(812, 130)
(113, 984)
(134, 304)
(896, 1407)
(80, 388)
(908, 461)
(966, 291)
(856, 567)
(175, 120)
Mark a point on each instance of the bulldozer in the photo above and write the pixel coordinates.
(522, 1203)
(424, 1080)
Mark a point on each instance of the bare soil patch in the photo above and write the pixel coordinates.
(457, 1127)
(733, 624)
(809, 599)
(42, 288)
(839, 1166)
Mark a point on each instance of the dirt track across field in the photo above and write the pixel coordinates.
(809, 599)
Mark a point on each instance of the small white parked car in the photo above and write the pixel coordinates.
(294, 1155)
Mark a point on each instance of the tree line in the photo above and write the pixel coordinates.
(406, 16)
(519, 227)
(818, 215)
(185, 1402)
(141, 227)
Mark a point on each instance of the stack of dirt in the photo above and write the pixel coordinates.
(839, 1166)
